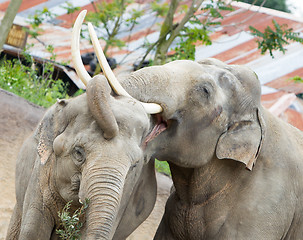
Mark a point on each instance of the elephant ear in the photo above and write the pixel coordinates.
(47, 131)
(242, 141)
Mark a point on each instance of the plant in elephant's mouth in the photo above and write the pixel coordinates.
(71, 223)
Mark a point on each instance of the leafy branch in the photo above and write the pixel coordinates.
(111, 16)
(275, 39)
(199, 30)
(71, 225)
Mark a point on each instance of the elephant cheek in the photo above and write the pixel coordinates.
(103, 186)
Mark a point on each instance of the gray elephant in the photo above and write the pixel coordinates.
(87, 147)
(94, 147)
(216, 126)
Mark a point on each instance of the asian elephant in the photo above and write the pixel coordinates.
(219, 125)
(237, 169)
(86, 147)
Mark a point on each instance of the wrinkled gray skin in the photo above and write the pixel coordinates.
(216, 127)
(72, 154)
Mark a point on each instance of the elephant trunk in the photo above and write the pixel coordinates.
(98, 96)
(146, 84)
(103, 186)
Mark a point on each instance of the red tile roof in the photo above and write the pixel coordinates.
(294, 118)
(285, 83)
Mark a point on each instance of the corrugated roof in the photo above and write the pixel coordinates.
(232, 44)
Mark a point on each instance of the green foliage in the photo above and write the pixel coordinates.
(134, 16)
(214, 8)
(32, 80)
(192, 30)
(71, 224)
(198, 31)
(159, 9)
(24, 81)
(273, 4)
(28, 79)
(43, 15)
(186, 47)
(79, 92)
(37, 19)
(110, 16)
(162, 167)
(106, 12)
(274, 39)
(69, 7)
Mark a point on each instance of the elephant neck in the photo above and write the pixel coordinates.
(208, 184)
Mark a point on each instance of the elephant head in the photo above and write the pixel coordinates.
(208, 104)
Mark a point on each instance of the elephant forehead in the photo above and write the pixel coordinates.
(129, 113)
(182, 70)
(81, 129)
(240, 80)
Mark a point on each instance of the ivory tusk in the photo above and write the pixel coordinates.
(150, 108)
(76, 56)
(118, 89)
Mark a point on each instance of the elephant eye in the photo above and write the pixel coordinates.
(205, 90)
(79, 155)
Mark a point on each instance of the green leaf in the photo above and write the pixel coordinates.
(160, 9)
(162, 167)
(275, 39)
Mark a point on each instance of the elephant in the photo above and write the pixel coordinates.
(237, 169)
(217, 125)
(86, 147)
(89, 147)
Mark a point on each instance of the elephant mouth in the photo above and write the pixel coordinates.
(75, 182)
(160, 126)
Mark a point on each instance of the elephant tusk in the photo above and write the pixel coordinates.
(118, 89)
(150, 108)
(76, 57)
